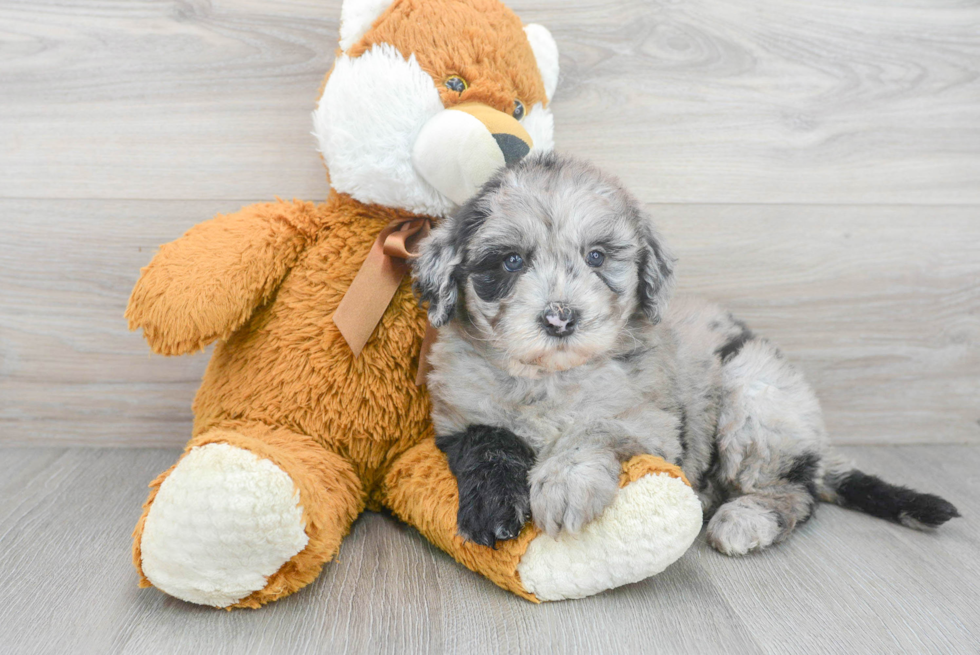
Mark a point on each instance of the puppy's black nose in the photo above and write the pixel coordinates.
(558, 319)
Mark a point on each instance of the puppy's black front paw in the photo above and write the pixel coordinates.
(491, 466)
(494, 509)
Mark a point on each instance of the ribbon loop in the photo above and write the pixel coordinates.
(370, 293)
(402, 241)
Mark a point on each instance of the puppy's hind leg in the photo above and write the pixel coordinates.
(771, 442)
(759, 519)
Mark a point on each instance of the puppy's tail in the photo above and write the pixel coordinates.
(848, 487)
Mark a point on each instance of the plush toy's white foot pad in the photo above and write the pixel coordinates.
(223, 521)
(649, 525)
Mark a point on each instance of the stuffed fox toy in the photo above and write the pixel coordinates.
(309, 411)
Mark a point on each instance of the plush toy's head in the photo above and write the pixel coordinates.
(428, 98)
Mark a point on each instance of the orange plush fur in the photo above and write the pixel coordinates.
(477, 41)
(282, 383)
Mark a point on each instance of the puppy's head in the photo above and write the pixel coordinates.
(546, 265)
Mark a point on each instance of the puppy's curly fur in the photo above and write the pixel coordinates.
(560, 340)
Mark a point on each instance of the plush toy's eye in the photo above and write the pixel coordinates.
(513, 262)
(518, 109)
(595, 258)
(456, 83)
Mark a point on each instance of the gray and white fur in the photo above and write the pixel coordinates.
(561, 354)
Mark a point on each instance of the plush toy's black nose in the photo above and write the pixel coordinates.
(558, 319)
(513, 147)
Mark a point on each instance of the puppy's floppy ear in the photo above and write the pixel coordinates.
(656, 284)
(436, 271)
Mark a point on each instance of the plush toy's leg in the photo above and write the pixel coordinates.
(249, 514)
(651, 523)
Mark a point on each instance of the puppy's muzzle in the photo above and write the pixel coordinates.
(460, 148)
(558, 319)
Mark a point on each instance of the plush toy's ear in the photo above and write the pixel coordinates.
(656, 271)
(546, 53)
(357, 17)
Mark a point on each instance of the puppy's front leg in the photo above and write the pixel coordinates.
(575, 482)
(491, 466)
(577, 476)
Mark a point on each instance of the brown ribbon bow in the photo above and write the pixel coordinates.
(361, 308)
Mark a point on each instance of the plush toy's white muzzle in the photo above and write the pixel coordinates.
(460, 148)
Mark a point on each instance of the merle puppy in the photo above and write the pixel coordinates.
(561, 355)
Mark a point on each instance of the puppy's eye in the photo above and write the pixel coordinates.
(518, 109)
(457, 84)
(595, 258)
(513, 262)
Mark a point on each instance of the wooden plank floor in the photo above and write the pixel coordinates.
(846, 583)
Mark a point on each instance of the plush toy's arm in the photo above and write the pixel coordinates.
(206, 284)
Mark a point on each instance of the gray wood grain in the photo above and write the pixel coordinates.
(879, 305)
(847, 583)
(851, 584)
(866, 101)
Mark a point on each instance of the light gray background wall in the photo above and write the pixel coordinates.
(816, 166)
